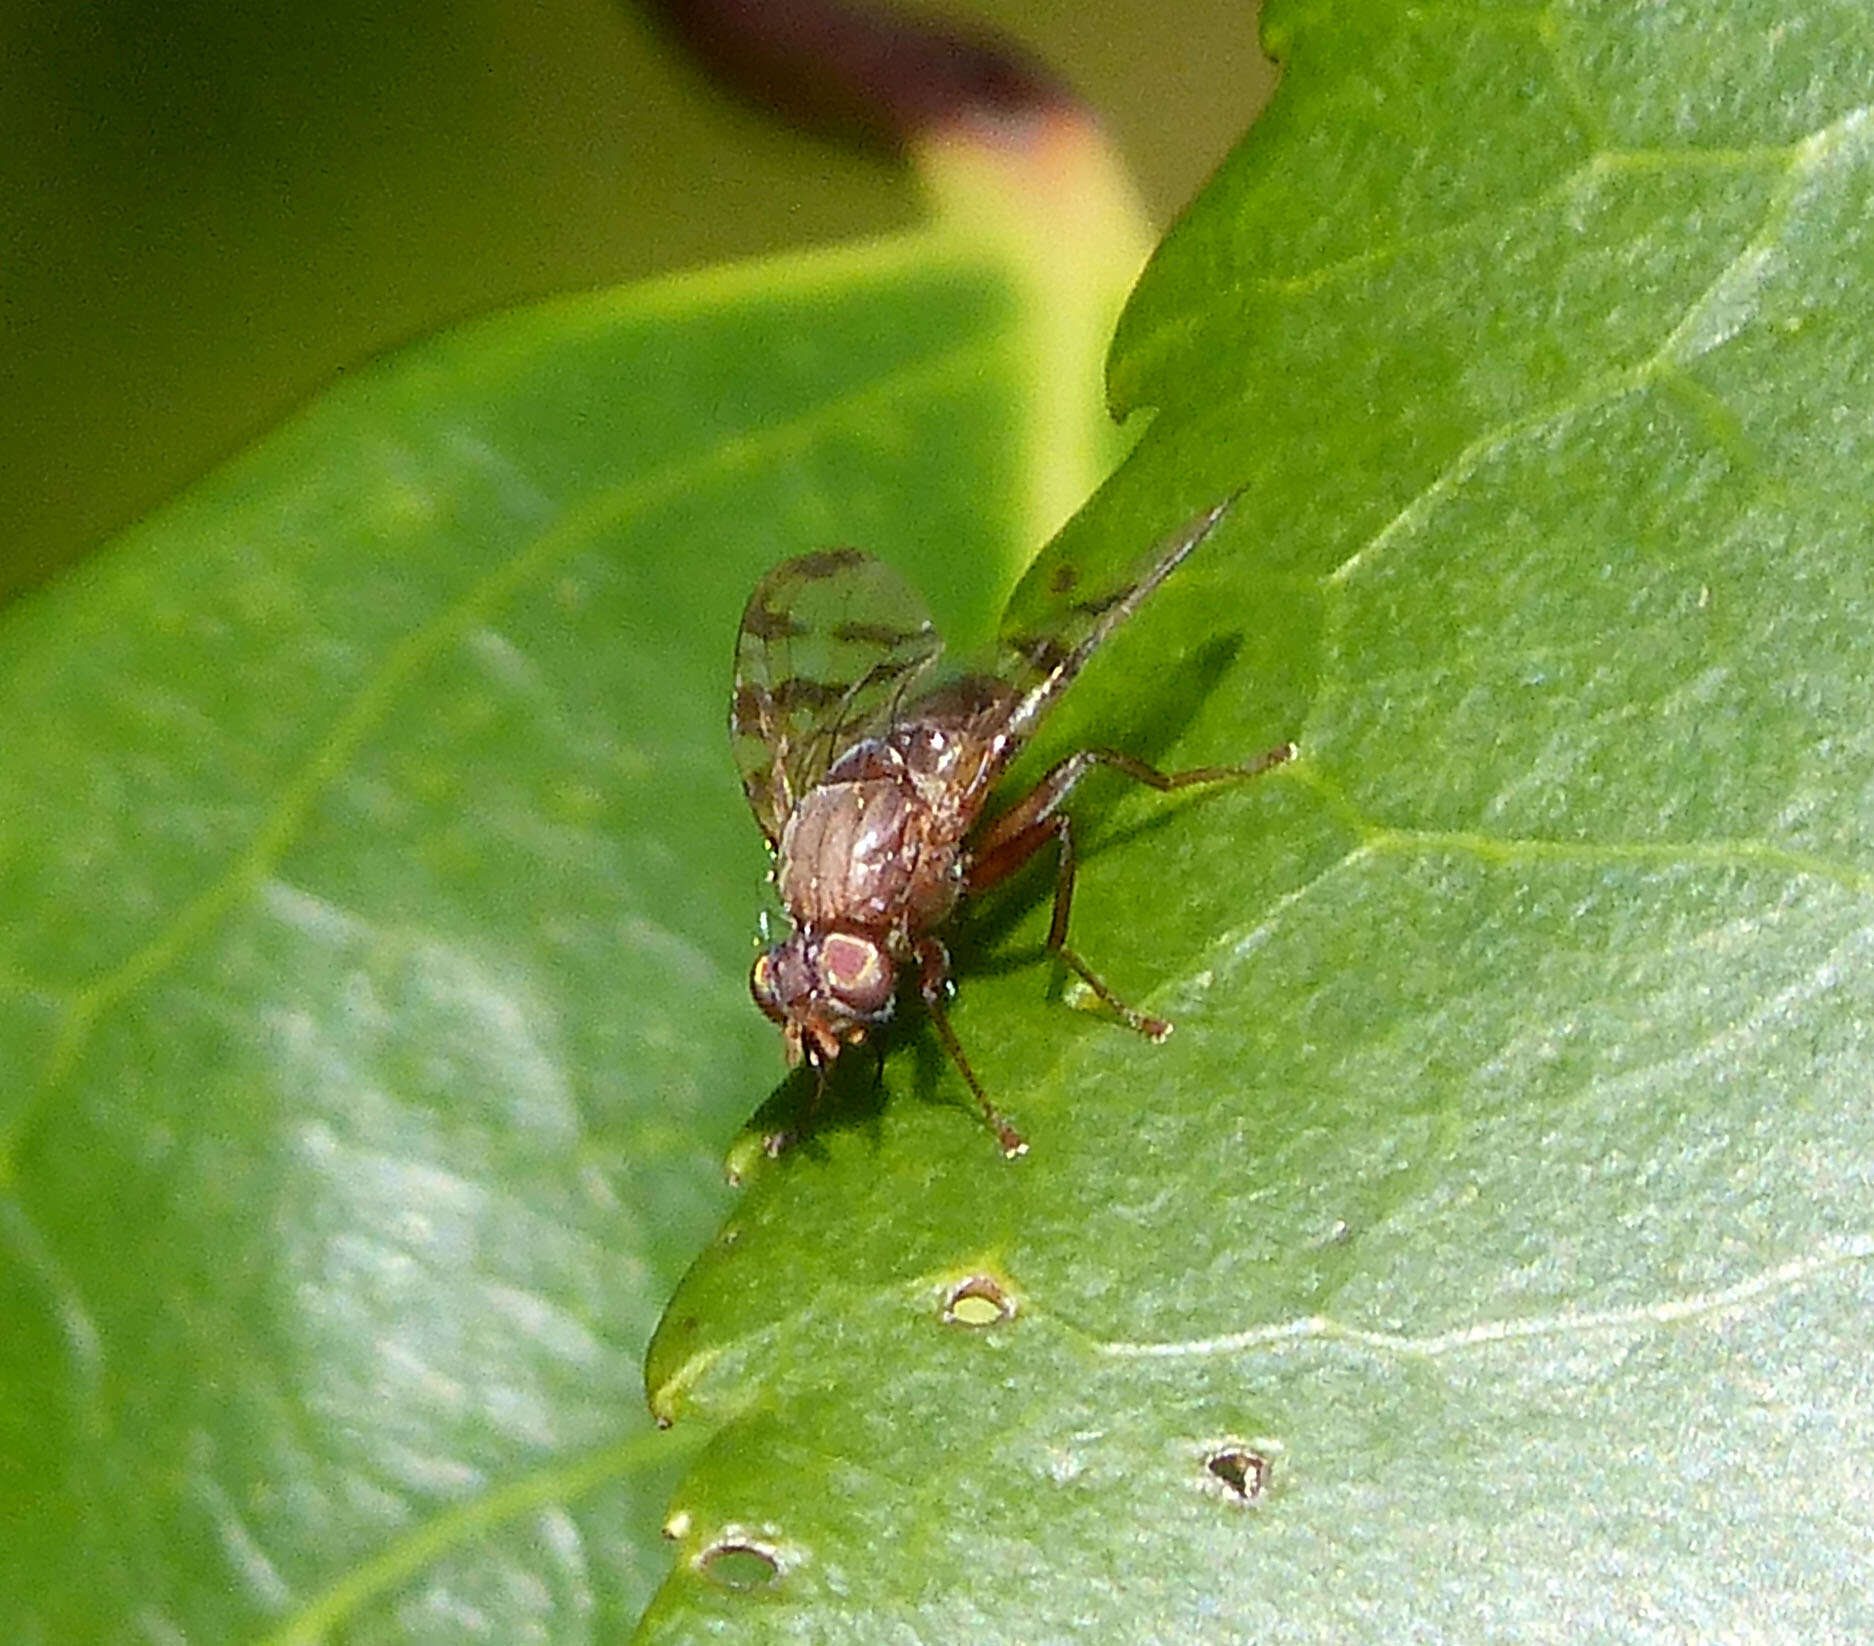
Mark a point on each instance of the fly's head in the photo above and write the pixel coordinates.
(826, 988)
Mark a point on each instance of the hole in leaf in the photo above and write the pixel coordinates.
(1242, 1472)
(739, 1565)
(978, 1301)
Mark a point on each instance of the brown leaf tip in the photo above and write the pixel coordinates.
(883, 76)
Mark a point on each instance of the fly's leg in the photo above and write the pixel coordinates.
(1018, 833)
(1036, 820)
(775, 1144)
(933, 982)
(1016, 850)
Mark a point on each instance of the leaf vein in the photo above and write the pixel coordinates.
(1752, 1291)
(404, 1557)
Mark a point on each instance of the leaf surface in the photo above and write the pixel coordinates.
(1486, 1254)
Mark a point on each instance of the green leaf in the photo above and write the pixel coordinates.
(1487, 1253)
(376, 901)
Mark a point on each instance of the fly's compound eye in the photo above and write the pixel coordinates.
(854, 970)
(761, 986)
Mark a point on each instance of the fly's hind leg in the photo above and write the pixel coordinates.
(1036, 820)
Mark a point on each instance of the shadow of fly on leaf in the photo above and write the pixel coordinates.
(870, 769)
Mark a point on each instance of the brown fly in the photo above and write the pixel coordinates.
(869, 778)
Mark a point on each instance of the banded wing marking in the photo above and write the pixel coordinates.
(1040, 654)
(830, 644)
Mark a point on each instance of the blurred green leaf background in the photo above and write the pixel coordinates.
(211, 210)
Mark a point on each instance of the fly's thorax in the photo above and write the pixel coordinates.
(841, 856)
(869, 853)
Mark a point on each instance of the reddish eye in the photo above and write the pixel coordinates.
(854, 968)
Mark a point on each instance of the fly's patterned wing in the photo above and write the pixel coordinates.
(1042, 650)
(830, 644)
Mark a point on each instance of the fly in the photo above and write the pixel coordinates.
(870, 777)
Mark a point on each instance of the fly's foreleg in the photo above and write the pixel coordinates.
(933, 981)
(1036, 820)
